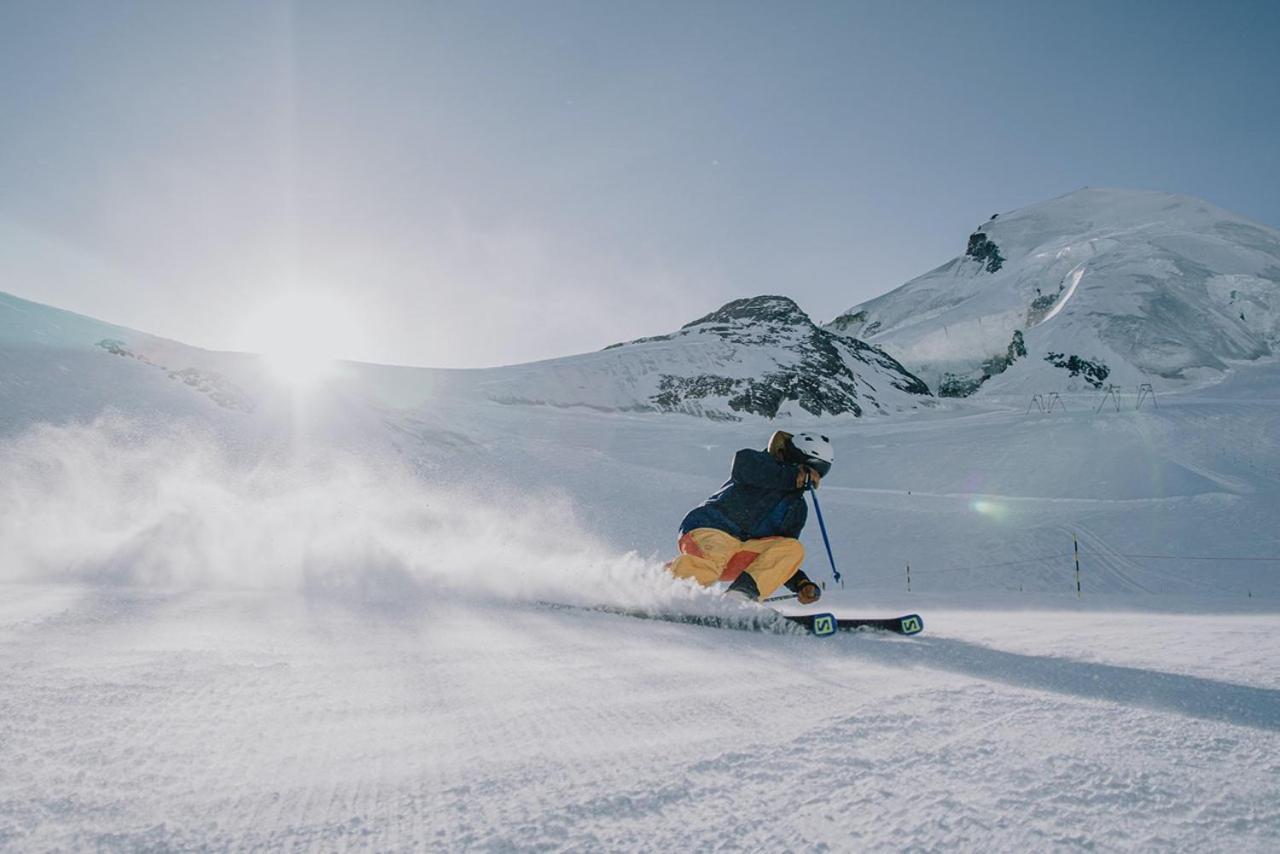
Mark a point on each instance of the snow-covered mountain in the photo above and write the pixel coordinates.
(1098, 286)
(759, 356)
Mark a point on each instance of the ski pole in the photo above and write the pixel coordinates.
(835, 573)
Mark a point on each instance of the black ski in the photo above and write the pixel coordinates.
(766, 619)
(828, 624)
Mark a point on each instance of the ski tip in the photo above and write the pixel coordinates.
(824, 625)
(912, 624)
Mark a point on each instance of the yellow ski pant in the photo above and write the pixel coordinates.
(708, 555)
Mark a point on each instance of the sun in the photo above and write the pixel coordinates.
(300, 336)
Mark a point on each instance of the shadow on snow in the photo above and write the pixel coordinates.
(1193, 696)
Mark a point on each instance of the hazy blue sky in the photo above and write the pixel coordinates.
(493, 182)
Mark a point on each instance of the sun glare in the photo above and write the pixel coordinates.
(299, 336)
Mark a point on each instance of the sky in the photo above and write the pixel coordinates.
(474, 183)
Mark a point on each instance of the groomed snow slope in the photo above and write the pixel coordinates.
(1153, 287)
(314, 621)
(197, 719)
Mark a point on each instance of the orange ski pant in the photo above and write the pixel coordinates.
(708, 555)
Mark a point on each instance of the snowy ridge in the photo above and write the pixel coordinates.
(1098, 286)
(757, 357)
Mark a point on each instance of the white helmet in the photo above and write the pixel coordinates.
(814, 451)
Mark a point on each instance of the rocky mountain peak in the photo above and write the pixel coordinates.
(764, 356)
(761, 309)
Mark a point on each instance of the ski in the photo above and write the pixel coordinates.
(824, 625)
(764, 620)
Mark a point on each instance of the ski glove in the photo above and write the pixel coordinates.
(809, 593)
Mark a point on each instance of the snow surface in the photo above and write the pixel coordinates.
(232, 720)
(234, 616)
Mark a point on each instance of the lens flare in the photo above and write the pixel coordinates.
(991, 509)
(299, 336)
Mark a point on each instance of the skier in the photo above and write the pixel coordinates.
(746, 533)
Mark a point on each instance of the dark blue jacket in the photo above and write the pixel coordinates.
(760, 499)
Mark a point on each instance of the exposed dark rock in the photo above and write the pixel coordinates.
(953, 385)
(1017, 347)
(902, 379)
(1044, 301)
(982, 248)
(116, 347)
(1094, 373)
(963, 385)
(854, 325)
(1041, 305)
(673, 390)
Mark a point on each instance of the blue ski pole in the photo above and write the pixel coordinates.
(835, 573)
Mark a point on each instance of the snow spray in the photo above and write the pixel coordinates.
(170, 506)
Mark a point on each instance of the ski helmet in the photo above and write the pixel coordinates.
(814, 451)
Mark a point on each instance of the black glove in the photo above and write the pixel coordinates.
(809, 593)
